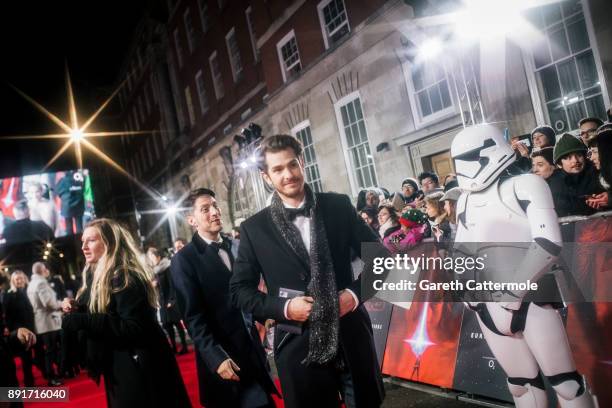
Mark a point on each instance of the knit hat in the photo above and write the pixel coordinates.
(412, 182)
(546, 131)
(545, 152)
(567, 144)
(413, 218)
(604, 130)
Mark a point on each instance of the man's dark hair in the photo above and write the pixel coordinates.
(428, 174)
(597, 121)
(181, 240)
(546, 153)
(274, 144)
(197, 193)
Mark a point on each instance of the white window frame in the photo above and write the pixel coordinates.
(279, 45)
(320, 7)
(420, 121)
(178, 48)
(347, 159)
(528, 63)
(247, 15)
(294, 131)
(204, 16)
(202, 97)
(188, 22)
(217, 81)
(234, 60)
(189, 104)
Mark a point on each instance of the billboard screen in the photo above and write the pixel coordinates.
(41, 207)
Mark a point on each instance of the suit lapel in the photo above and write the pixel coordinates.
(209, 255)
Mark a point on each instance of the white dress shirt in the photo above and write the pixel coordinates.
(222, 252)
(303, 225)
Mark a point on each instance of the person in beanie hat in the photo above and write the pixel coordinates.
(410, 190)
(574, 180)
(543, 136)
(542, 163)
(410, 233)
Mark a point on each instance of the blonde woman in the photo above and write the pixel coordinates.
(115, 308)
(19, 313)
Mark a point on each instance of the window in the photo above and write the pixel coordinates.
(359, 160)
(203, 6)
(334, 21)
(252, 33)
(189, 103)
(288, 56)
(311, 168)
(217, 78)
(189, 30)
(199, 79)
(429, 91)
(234, 54)
(565, 69)
(179, 49)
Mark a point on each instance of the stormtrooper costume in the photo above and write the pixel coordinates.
(527, 338)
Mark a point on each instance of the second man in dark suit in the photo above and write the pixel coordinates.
(231, 362)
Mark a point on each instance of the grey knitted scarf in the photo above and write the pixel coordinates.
(324, 318)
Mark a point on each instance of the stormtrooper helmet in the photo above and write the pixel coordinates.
(481, 153)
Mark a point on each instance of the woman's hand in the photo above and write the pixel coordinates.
(67, 305)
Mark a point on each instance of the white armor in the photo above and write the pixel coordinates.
(516, 215)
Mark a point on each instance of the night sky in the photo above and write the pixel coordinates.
(38, 39)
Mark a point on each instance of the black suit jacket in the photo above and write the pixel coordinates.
(218, 329)
(263, 251)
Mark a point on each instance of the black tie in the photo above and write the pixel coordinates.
(225, 245)
(294, 212)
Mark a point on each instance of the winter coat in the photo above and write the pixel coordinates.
(569, 191)
(47, 315)
(167, 294)
(18, 310)
(400, 241)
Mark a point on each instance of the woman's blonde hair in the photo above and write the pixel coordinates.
(14, 276)
(121, 260)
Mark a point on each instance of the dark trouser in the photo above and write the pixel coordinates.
(169, 327)
(50, 342)
(69, 223)
(26, 366)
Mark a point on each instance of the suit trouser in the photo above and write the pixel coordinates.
(26, 366)
(50, 342)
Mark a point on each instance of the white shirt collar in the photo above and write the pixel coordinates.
(299, 206)
(208, 241)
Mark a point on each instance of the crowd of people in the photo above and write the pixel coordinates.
(289, 266)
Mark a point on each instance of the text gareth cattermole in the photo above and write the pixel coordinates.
(414, 264)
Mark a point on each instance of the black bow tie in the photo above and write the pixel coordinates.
(225, 245)
(294, 212)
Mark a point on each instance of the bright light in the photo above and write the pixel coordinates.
(172, 210)
(164, 198)
(45, 257)
(76, 135)
(244, 165)
(46, 252)
(6, 269)
(49, 245)
(61, 255)
(253, 159)
(489, 19)
(429, 49)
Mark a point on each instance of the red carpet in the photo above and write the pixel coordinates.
(84, 392)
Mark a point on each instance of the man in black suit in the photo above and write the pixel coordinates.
(302, 243)
(231, 362)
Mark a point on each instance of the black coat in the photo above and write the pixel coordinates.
(167, 295)
(127, 346)
(18, 310)
(569, 191)
(218, 329)
(263, 251)
(26, 231)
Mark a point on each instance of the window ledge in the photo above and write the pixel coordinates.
(429, 130)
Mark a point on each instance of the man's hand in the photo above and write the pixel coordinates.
(521, 148)
(26, 337)
(227, 370)
(299, 308)
(347, 302)
(598, 200)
